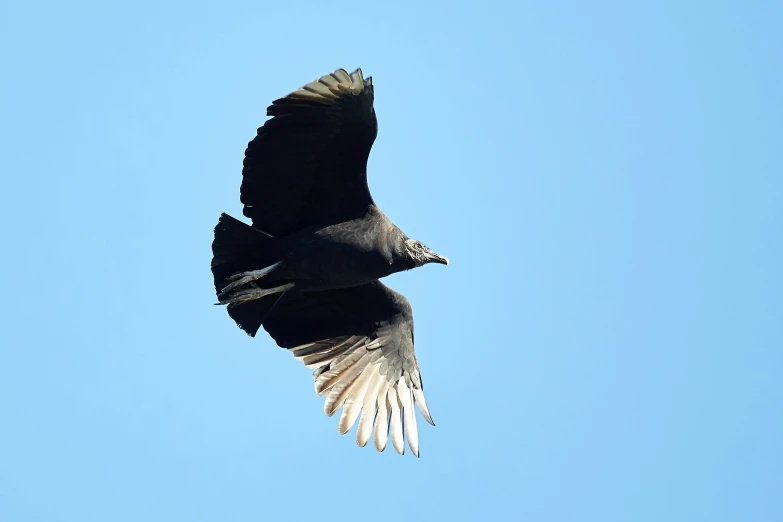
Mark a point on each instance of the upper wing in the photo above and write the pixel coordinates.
(360, 343)
(308, 164)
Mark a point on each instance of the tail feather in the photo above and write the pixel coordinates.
(238, 247)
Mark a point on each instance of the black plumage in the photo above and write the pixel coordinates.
(308, 267)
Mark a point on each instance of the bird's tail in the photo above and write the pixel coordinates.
(238, 247)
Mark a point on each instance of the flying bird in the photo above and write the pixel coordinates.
(308, 267)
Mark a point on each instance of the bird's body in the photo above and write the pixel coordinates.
(345, 254)
(308, 268)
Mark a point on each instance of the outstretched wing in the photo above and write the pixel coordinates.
(360, 342)
(308, 163)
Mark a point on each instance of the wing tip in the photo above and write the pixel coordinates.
(330, 87)
(418, 397)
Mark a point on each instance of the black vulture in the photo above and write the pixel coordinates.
(308, 267)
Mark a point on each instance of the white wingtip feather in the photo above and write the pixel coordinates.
(357, 79)
(405, 399)
(342, 75)
(396, 421)
(382, 419)
(369, 408)
(418, 395)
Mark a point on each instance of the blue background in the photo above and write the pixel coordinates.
(606, 178)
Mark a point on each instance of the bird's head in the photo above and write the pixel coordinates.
(419, 254)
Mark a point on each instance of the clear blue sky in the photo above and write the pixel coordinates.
(607, 179)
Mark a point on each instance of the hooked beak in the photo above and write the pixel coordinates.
(432, 257)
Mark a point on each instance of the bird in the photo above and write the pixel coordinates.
(308, 267)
